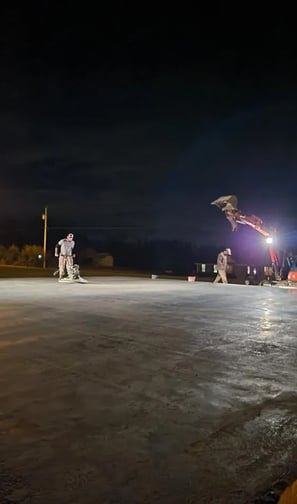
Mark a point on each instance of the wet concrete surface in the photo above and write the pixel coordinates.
(127, 391)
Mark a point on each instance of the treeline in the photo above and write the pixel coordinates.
(159, 255)
(148, 255)
(28, 255)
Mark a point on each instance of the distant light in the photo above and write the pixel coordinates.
(39, 256)
(269, 240)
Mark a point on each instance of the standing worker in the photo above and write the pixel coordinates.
(222, 262)
(64, 250)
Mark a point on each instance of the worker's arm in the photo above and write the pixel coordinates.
(58, 248)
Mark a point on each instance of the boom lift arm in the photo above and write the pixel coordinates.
(228, 205)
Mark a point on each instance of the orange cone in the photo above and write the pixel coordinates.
(289, 496)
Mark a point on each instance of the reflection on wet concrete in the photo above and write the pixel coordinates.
(133, 391)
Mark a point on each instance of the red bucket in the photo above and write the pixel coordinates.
(292, 276)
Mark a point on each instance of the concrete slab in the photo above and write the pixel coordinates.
(145, 391)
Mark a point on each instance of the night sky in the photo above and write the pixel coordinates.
(138, 124)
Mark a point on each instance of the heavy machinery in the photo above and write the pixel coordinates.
(285, 271)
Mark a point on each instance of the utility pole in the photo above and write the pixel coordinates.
(44, 218)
